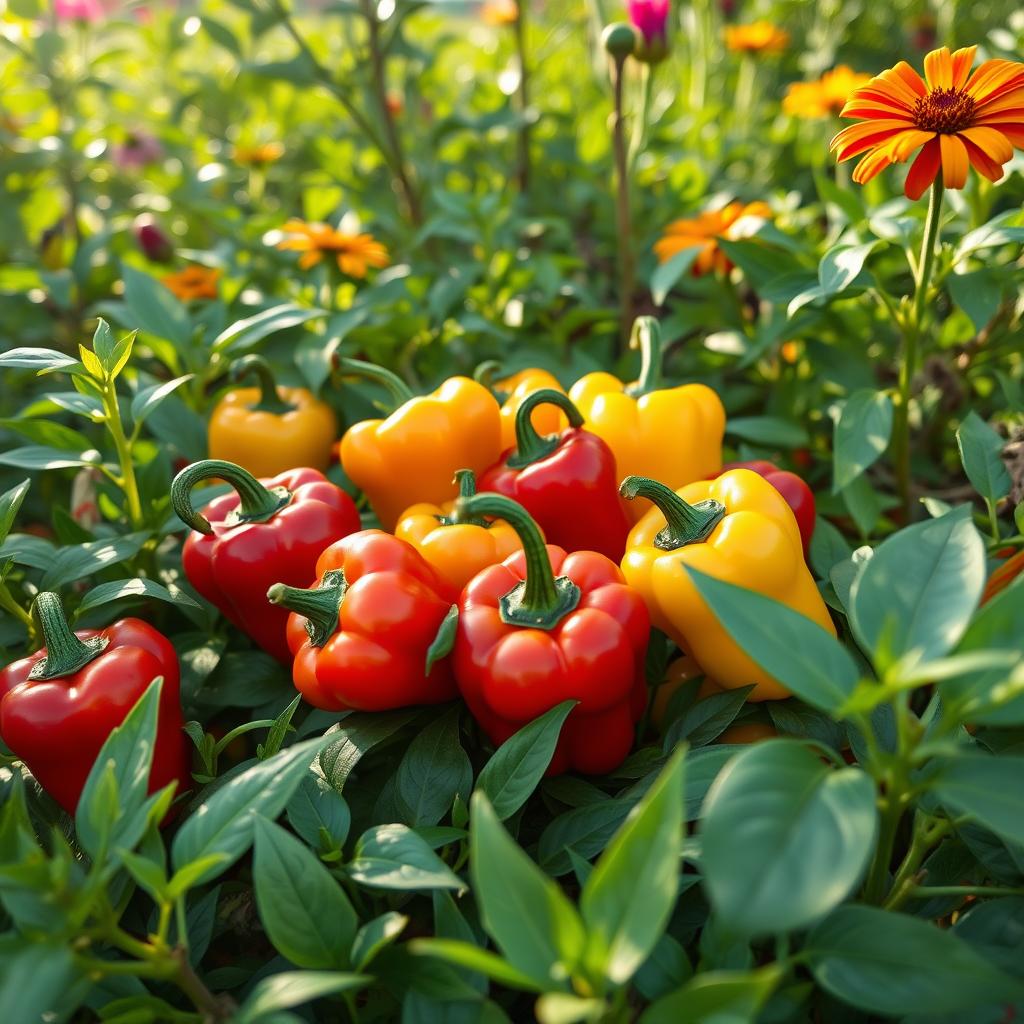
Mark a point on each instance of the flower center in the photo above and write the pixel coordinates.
(944, 110)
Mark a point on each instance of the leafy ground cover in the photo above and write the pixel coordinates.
(243, 232)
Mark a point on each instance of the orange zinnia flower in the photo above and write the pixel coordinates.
(500, 12)
(825, 97)
(354, 253)
(954, 117)
(705, 230)
(193, 282)
(257, 156)
(757, 37)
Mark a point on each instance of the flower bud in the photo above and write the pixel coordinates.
(650, 19)
(619, 40)
(155, 245)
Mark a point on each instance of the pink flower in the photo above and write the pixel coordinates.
(650, 19)
(138, 149)
(78, 10)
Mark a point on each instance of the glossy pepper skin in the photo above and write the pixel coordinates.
(456, 550)
(737, 528)
(59, 705)
(267, 429)
(799, 497)
(372, 635)
(670, 434)
(511, 390)
(567, 482)
(412, 456)
(528, 640)
(263, 532)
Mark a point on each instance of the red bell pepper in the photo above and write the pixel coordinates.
(528, 640)
(799, 497)
(374, 634)
(567, 482)
(267, 531)
(59, 705)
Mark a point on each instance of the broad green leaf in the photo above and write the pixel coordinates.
(707, 719)
(515, 768)
(147, 399)
(294, 988)
(223, 823)
(828, 548)
(524, 911)
(39, 359)
(116, 590)
(893, 964)
(918, 590)
(978, 293)
(245, 333)
(861, 434)
(319, 813)
(998, 231)
(10, 503)
(395, 857)
(986, 788)
(433, 771)
(768, 431)
(788, 646)
(305, 912)
(74, 563)
(565, 1008)
(31, 979)
(716, 997)
(630, 894)
(585, 831)
(980, 448)
(840, 266)
(995, 928)
(40, 456)
(374, 936)
(356, 735)
(154, 308)
(465, 954)
(666, 274)
(785, 838)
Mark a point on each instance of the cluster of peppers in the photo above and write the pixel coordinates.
(530, 539)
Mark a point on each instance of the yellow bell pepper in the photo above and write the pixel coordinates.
(457, 550)
(512, 389)
(669, 434)
(413, 455)
(737, 528)
(267, 429)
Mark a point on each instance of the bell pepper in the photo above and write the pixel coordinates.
(528, 640)
(670, 434)
(799, 497)
(264, 531)
(59, 705)
(375, 632)
(737, 528)
(268, 429)
(568, 482)
(457, 549)
(412, 456)
(512, 389)
(1003, 576)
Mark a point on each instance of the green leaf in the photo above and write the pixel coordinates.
(465, 954)
(395, 857)
(74, 563)
(80, 405)
(48, 433)
(147, 873)
(433, 771)
(116, 590)
(841, 265)
(223, 823)
(43, 360)
(978, 293)
(565, 1008)
(707, 719)
(716, 997)
(10, 503)
(980, 450)
(526, 913)
(918, 590)
(785, 838)
(374, 936)
(31, 978)
(294, 988)
(38, 456)
(358, 734)
(893, 964)
(517, 766)
(631, 892)
(788, 646)
(307, 916)
(147, 399)
(666, 274)
(861, 435)
(585, 831)
(828, 548)
(986, 788)
(443, 643)
(998, 231)
(769, 431)
(315, 807)
(154, 308)
(245, 333)
(278, 731)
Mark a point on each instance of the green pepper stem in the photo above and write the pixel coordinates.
(270, 400)
(487, 371)
(685, 523)
(541, 601)
(530, 446)
(646, 337)
(397, 388)
(258, 503)
(320, 605)
(65, 652)
(466, 479)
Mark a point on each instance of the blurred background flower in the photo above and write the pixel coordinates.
(735, 220)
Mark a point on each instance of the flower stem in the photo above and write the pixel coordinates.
(523, 93)
(627, 270)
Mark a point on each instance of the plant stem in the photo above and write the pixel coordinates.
(627, 269)
(745, 91)
(8, 603)
(912, 335)
(523, 92)
(126, 481)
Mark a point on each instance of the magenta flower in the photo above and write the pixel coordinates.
(138, 149)
(650, 19)
(78, 10)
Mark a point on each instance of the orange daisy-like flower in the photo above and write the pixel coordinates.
(257, 156)
(500, 12)
(827, 96)
(354, 253)
(757, 37)
(954, 117)
(193, 282)
(705, 230)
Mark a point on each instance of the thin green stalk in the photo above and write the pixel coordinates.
(126, 481)
(523, 93)
(627, 269)
(642, 124)
(745, 80)
(8, 603)
(927, 891)
(699, 47)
